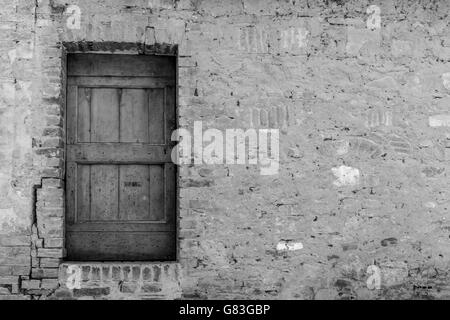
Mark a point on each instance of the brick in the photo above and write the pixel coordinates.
(95, 273)
(63, 293)
(52, 183)
(45, 213)
(85, 272)
(156, 273)
(199, 204)
(52, 132)
(49, 284)
(188, 234)
(9, 280)
(55, 202)
(39, 273)
(15, 288)
(37, 292)
(39, 243)
(136, 273)
(51, 228)
(50, 193)
(14, 241)
(197, 183)
(91, 292)
(52, 143)
(14, 270)
(14, 297)
(34, 261)
(31, 284)
(264, 118)
(129, 287)
(52, 173)
(4, 290)
(147, 273)
(188, 224)
(50, 253)
(54, 242)
(151, 288)
(53, 162)
(49, 262)
(53, 110)
(186, 61)
(54, 121)
(49, 152)
(15, 256)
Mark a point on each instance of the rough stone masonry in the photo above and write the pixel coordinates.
(360, 91)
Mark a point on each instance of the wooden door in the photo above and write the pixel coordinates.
(120, 183)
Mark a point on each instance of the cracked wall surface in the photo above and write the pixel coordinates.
(360, 94)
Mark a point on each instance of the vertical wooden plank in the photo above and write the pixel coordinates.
(105, 115)
(170, 170)
(134, 196)
(84, 115)
(71, 120)
(71, 178)
(170, 193)
(83, 193)
(156, 116)
(134, 116)
(104, 192)
(157, 186)
(171, 116)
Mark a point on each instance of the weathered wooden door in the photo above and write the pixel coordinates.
(120, 183)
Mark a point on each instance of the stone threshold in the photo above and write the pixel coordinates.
(121, 280)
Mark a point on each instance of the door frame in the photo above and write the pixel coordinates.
(118, 49)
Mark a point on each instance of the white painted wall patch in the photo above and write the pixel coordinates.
(440, 120)
(374, 279)
(446, 80)
(346, 176)
(289, 246)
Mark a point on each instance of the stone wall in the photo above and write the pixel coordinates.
(360, 91)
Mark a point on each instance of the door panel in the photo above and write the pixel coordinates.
(105, 114)
(83, 195)
(120, 193)
(83, 114)
(136, 246)
(134, 191)
(120, 181)
(157, 194)
(134, 116)
(157, 116)
(104, 192)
